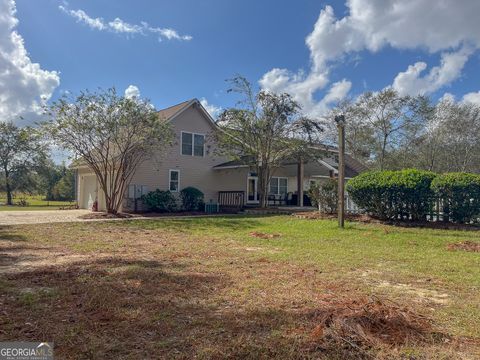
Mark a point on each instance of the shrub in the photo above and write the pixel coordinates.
(404, 194)
(324, 195)
(192, 199)
(160, 201)
(460, 194)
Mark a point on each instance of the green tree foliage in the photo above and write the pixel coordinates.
(111, 134)
(64, 189)
(264, 129)
(394, 195)
(324, 195)
(460, 193)
(387, 131)
(160, 201)
(192, 199)
(20, 150)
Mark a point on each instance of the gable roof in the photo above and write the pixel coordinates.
(172, 112)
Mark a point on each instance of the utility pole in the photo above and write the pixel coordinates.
(340, 120)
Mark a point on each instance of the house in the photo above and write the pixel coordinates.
(192, 161)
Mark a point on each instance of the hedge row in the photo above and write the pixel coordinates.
(414, 194)
(165, 201)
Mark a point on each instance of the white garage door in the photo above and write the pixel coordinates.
(89, 191)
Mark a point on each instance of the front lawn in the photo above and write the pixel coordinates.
(235, 287)
(34, 202)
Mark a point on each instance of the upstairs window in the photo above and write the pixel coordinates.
(187, 143)
(199, 141)
(193, 144)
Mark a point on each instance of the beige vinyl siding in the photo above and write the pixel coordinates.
(196, 171)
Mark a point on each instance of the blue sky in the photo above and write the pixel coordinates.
(355, 46)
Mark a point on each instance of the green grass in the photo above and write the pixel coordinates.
(208, 288)
(35, 202)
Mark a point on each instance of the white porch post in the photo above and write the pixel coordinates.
(300, 170)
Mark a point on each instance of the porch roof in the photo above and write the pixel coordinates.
(352, 166)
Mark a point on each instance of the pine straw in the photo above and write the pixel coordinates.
(470, 246)
(351, 328)
(263, 235)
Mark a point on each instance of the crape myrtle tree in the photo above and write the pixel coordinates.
(20, 150)
(265, 129)
(113, 135)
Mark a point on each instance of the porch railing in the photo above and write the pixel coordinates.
(231, 198)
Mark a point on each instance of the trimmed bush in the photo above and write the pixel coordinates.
(460, 195)
(395, 195)
(160, 201)
(192, 199)
(324, 195)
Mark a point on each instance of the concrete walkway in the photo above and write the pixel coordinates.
(58, 216)
(17, 217)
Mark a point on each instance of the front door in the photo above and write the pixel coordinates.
(252, 190)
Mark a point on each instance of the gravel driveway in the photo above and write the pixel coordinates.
(40, 217)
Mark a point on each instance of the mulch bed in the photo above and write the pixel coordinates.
(469, 246)
(103, 215)
(363, 218)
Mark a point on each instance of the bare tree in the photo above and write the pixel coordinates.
(111, 134)
(265, 129)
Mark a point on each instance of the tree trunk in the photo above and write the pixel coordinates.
(8, 188)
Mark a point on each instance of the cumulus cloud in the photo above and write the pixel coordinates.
(120, 26)
(375, 24)
(213, 110)
(411, 81)
(24, 86)
(132, 91)
(473, 97)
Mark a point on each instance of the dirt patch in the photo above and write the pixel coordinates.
(315, 215)
(469, 246)
(264, 235)
(356, 325)
(102, 215)
(419, 293)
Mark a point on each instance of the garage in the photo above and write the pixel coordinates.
(89, 191)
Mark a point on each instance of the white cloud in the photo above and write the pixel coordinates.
(372, 25)
(169, 34)
(411, 82)
(132, 91)
(81, 16)
(473, 97)
(24, 86)
(213, 110)
(120, 26)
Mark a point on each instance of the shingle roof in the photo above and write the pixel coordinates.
(352, 166)
(167, 113)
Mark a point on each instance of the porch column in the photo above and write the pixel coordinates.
(300, 182)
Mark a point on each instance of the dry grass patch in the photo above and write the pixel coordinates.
(208, 289)
(469, 246)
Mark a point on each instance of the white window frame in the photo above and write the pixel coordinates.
(278, 187)
(193, 143)
(170, 180)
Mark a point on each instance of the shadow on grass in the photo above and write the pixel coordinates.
(228, 222)
(121, 308)
(8, 234)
